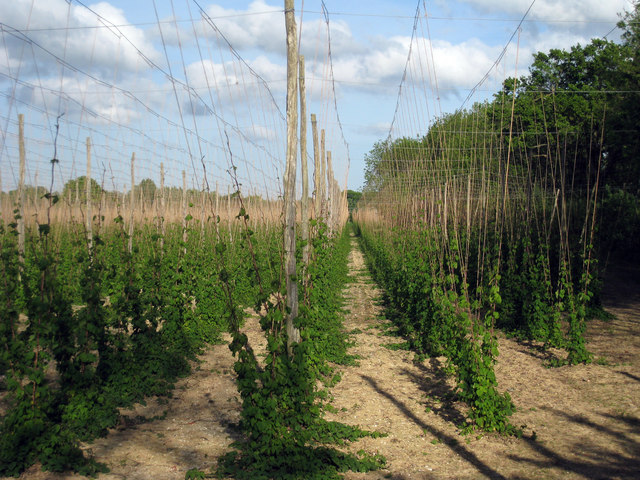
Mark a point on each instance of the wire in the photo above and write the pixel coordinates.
(500, 57)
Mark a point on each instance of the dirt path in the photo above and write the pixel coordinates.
(586, 419)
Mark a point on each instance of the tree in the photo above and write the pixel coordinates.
(76, 190)
(353, 198)
(573, 105)
(390, 161)
(148, 189)
(623, 118)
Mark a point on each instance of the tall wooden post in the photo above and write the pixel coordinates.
(142, 206)
(217, 213)
(132, 201)
(184, 212)
(229, 213)
(317, 203)
(203, 198)
(23, 160)
(293, 334)
(323, 176)
(329, 212)
(162, 213)
(35, 194)
(304, 226)
(89, 199)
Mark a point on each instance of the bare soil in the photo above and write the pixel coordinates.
(580, 422)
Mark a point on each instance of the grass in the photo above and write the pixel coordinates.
(397, 346)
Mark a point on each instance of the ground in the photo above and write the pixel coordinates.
(578, 422)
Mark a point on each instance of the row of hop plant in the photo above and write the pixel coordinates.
(89, 327)
(284, 397)
(429, 299)
(436, 306)
(471, 228)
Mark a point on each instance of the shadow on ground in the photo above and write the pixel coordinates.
(450, 441)
(589, 460)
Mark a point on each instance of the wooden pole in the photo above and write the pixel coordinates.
(88, 192)
(203, 197)
(304, 226)
(35, 196)
(293, 334)
(184, 212)
(132, 201)
(34, 200)
(142, 201)
(316, 167)
(229, 213)
(23, 160)
(329, 209)
(323, 176)
(162, 206)
(217, 213)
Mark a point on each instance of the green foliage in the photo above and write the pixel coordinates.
(428, 300)
(285, 436)
(76, 190)
(620, 227)
(353, 198)
(102, 328)
(147, 188)
(31, 430)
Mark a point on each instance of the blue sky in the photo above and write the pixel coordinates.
(112, 79)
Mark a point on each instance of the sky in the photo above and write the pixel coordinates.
(198, 85)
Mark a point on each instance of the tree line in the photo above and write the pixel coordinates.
(571, 121)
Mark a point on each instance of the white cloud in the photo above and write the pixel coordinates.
(76, 35)
(456, 66)
(95, 102)
(232, 89)
(378, 129)
(170, 32)
(555, 11)
(460, 66)
(207, 74)
(260, 25)
(261, 133)
(379, 67)
(315, 39)
(274, 73)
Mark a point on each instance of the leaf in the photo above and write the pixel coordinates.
(44, 229)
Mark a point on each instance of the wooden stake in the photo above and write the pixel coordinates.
(132, 201)
(317, 203)
(229, 212)
(184, 212)
(203, 196)
(217, 212)
(161, 213)
(293, 334)
(88, 191)
(323, 176)
(35, 193)
(21, 187)
(304, 227)
(329, 203)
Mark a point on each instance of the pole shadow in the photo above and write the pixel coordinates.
(451, 442)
